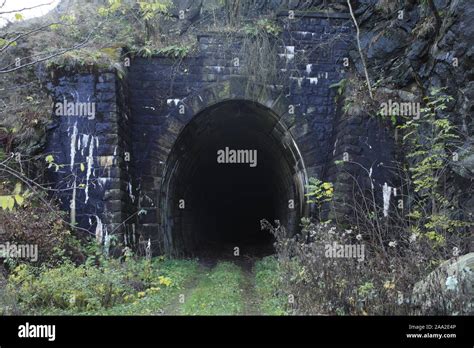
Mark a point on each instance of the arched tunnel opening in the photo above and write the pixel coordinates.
(233, 165)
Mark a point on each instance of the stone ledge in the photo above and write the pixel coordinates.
(314, 14)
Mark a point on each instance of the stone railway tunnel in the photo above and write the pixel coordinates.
(204, 202)
(145, 167)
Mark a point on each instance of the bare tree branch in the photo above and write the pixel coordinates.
(80, 45)
(369, 86)
(25, 180)
(433, 9)
(9, 43)
(23, 9)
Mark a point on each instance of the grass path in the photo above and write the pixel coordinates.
(219, 292)
(175, 307)
(228, 288)
(249, 294)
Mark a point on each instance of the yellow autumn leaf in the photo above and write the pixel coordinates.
(164, 280)
(7, 202)
(389, 285)
(17, 189)
(19, 200)
(326, 185)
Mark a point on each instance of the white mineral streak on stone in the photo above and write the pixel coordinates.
(84, 142)
(90, 164)
(99, 230)
(370, 176)
(366, 142)
(387, 192)
(148, 249)
(72, 154)
(170, 102)
(304, 33)
(103, 181)
(290, 56)
(289, 53)
(107, 239)
(130, 192)
(73, 203)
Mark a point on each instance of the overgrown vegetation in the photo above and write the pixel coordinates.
(137, 286)
(111, 286)
(260, 48)
(376, 280)
(319, 192)
(43, 227)
(404, 237)
(430, 144)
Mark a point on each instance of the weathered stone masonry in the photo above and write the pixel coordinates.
(138, 153)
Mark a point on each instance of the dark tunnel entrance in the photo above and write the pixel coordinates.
(232, 165)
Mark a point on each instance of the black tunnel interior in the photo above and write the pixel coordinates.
(211, 207)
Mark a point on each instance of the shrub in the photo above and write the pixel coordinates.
(75, 288)
(38, 225)
(379, 283)
(91, 287)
